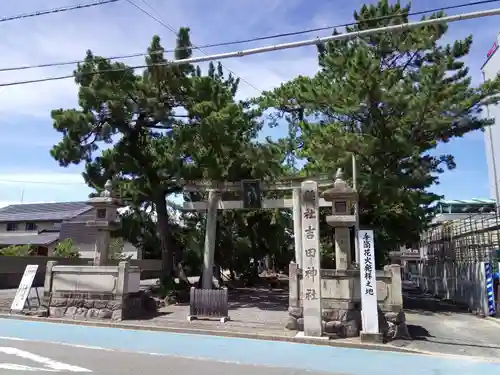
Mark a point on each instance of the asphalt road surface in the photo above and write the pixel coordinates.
(29, 347)
(23, 357)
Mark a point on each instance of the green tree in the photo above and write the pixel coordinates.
(391, 98)
(65, 249)
(128, 127)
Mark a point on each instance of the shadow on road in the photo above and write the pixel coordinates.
(260, 298)
(418, 332)
(414, 301)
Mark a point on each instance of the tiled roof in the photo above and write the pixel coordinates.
(78, 232)
(43, 211)
(29, 239)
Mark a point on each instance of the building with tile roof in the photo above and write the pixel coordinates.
(43, 225)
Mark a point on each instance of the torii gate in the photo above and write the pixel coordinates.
(252, 199)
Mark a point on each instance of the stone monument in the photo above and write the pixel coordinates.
(342, 197)
(311, 280)
(106, 220)
(340, 294)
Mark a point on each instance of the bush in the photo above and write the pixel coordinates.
(17, 250)
(65, 249)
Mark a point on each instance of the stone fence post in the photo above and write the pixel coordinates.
(396, 286)
(294, 287)
(122, 279)
(47, 284)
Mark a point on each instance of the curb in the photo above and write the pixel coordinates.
(212, 332)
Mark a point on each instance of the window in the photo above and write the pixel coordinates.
(30, 227)
(11, 227)
(101, 213)
(340, 207)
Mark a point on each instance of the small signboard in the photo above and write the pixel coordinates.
(24, 288)
(251, 194)
(369, 311)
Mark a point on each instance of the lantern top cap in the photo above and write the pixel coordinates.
(108, 190)
(339, 176)
(106, 197)
(340, 189)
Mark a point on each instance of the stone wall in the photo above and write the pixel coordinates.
(88, 292)
(100, 306)
(12, 268)
(341, 301)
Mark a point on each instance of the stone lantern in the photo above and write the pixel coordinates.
(343, 198)
(105, 221)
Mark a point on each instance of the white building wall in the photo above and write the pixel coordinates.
(492, 134)
(21, 227)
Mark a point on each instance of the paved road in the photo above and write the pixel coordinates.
(69, 349)
(439, 326)
(25, 357)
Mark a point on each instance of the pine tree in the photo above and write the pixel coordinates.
(154, 130)
(390, 98)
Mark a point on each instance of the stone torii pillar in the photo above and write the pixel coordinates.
(105, 221)
(251, 199)
(297, 224)
(210, 234)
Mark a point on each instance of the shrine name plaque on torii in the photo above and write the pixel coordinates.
(251, 191)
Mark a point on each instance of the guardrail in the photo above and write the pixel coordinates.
(12, 268)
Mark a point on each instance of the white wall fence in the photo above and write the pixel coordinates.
(464, 283)
(12, 268)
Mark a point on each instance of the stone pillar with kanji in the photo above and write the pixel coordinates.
(311, 268)
(106, 220)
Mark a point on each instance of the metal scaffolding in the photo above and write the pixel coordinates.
(471, 239)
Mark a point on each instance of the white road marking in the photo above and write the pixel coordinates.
(57, 343)
(49, 364)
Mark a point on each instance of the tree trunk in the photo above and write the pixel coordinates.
(167, 264)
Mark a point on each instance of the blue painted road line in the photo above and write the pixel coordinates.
(247, 351)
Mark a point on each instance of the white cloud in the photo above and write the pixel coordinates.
(118, 29)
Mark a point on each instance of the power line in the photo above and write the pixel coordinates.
(57, 10)
(169, 27)
(40, 182)
(283, 46)
(256, 39)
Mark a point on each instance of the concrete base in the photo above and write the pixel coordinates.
(372, 338)
(301, 335)
(224, 319)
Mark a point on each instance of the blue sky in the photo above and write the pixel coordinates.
(28, 171)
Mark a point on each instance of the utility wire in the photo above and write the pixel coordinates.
(283, 46)
(256, 39)
(57, 10)
(40, 182)
(170, 28)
